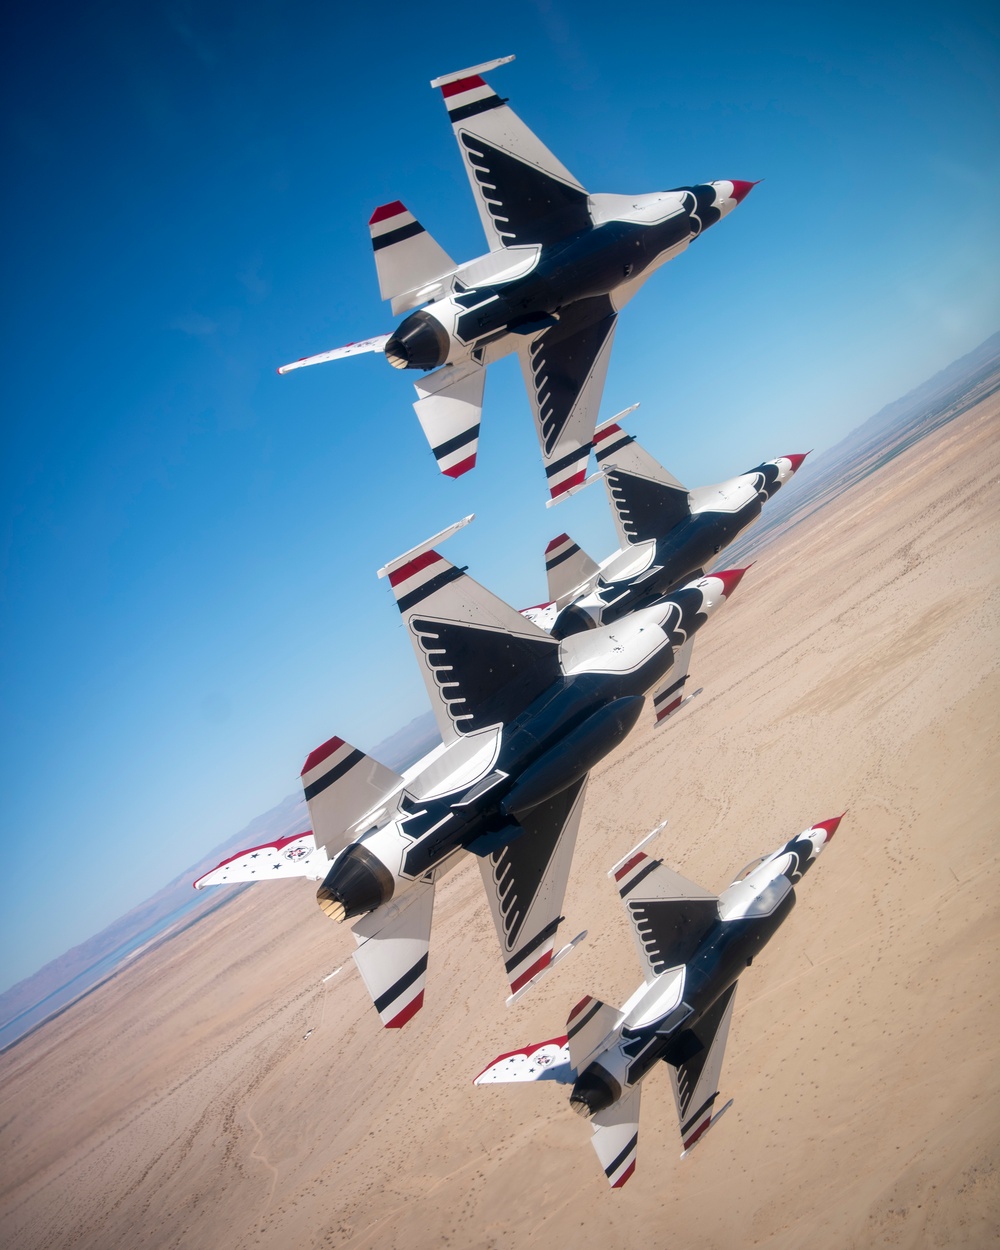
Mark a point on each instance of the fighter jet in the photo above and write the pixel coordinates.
(668, 534)
(562, 264)
(693, 946)
(523, 718)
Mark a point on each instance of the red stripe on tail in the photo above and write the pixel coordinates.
(407, 1013)
(463, 466)
(460, 85)
(321, 753)
(385, 211)
(624, 1176)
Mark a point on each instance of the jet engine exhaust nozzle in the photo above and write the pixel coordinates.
(357, 883)
(420, 342)
(594, 1090)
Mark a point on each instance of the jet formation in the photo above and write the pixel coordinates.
(562, 263)
(523, 718)
(668, 534)
(528, 702)
(693, 946)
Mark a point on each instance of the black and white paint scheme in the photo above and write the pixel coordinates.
(562, 264)
(668, 534)
(693, 946)
(523, 717)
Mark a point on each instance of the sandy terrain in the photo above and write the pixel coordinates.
(181, 1105)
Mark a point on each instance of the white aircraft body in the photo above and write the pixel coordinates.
(693, 946)
(562, 264)
(523, 718)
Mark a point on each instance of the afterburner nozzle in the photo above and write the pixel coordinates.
(357, 882)
(420, 342)
(330, 906)
(593, 1091)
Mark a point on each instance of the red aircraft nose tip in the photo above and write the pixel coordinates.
(730, 579)
(797, 459)
(830, 825)
(741, 189)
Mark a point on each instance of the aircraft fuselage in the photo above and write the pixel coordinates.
(661, 1017)
(596, 262)
(589, 708)
(721, 514)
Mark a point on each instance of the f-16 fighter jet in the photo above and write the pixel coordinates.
(693, 946)
(562, 264)
(668, 534)
(523, 718)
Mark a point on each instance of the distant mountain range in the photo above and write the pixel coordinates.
(78, 972)
(942, 398)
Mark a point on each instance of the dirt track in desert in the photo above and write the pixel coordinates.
(182, 1105)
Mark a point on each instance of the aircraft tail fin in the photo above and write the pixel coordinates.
(409, 262)
(342, 787)
(588, 1027)
(646, 500)
(542, 1061)
(294, 856)
(568, 568)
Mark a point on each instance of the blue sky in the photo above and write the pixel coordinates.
(190, 542)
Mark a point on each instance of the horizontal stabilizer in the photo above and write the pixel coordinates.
(672, 695)
(343, 787)
(668, 913)
(544, 1061)
(646, 500)
(449, 408)
(410, 263)
(294, 856)
(616, 1137)
(588, 1026)
(481, 660)
(338, 353)
(392, 954)
(568, 569)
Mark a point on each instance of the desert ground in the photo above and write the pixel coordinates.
(184, 1105)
